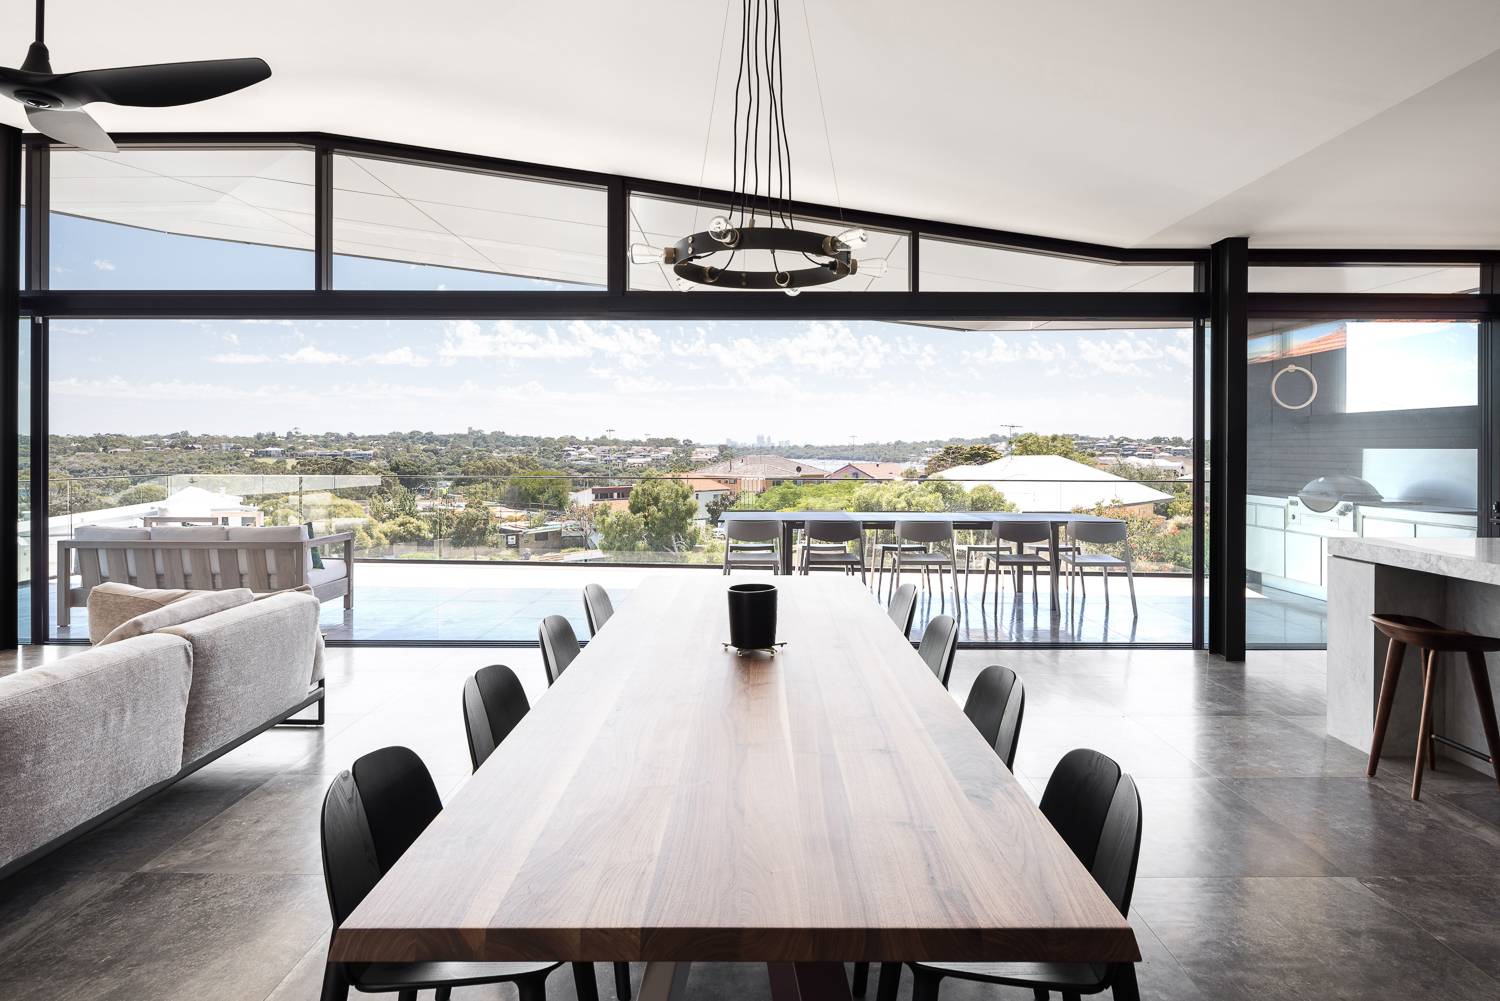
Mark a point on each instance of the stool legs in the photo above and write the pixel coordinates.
(1480, 676)
(1424, 733)
(1394, 652)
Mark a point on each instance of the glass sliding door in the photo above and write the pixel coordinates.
(488, 469)
(1355, 428)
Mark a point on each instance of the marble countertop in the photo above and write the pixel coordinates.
(1466, 559)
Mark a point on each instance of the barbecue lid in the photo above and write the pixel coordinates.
(1327, 492)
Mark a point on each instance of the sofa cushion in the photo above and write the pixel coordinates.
(195, 606)
(87, 732)
(250, 664)
(332, 570)
(112, 603)
(107, 559)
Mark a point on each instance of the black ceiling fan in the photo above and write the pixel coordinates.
(54, 101)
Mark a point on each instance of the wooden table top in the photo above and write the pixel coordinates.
(667, 800)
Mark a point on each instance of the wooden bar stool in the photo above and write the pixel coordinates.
(1432, 639)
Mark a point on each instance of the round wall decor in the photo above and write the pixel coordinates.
(1312, 391)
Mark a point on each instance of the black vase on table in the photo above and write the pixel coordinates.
(752, 617)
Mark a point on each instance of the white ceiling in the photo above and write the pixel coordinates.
(1134, 122)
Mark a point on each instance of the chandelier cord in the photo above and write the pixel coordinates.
(833, 169)
(713, 106)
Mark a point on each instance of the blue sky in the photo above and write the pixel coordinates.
(800, 381)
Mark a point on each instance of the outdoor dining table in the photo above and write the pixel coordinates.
(975, 521)
(667, 801)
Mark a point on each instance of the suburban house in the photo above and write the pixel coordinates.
(869, 471)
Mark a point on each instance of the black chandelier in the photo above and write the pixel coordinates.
(799, 258)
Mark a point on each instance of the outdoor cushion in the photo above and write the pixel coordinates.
(332, 570)
(112, 603)
(195, 606)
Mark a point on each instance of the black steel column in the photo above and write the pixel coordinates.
(1228, 290)
(38, 270)
(617, 237)
(1489, 410)
(10, 363)
(1200, 481)
(323, 218)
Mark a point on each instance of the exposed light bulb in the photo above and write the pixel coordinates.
(853, 238)
(792, 291)
(719, 229)
(873, 267)
(644, 253)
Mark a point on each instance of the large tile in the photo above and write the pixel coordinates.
(1364, 830)
(272, 830)
(171, 936)
(32, 899)
(1273, 939)
(1200, 827)
(1245, 746)
(1458, 911)
(133, 839)
(1044, 741)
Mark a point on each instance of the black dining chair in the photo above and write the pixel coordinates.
(372, 813)
(494, 702)
(1096, 809)
(939, 642)
(559, 646)
(597, 607)
(995, 706)
(903, 607)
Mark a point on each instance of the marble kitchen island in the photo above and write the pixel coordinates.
(1454, 582)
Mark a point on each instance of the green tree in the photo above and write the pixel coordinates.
(472, 527)
(142, 493)
(986, 498)
(666, 509)
(1031, 443)
(396, 501)
(621, 531)
(961, 455)
(406, 528)
(720, 503)
(546, 488)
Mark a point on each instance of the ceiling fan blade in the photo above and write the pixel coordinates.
(162, 85)
(75, 128)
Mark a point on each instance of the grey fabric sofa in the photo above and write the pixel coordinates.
(90, 735)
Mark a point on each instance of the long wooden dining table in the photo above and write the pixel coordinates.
(667, 801)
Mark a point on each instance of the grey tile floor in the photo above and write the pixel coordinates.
(1271, 867)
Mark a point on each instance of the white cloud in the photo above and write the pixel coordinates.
(823, 349)
(1005, 349)
(399, 356)
(310, 354)
(633, 347)
(231, 338)
(100, 264)
(239, 358)
(117, 388)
